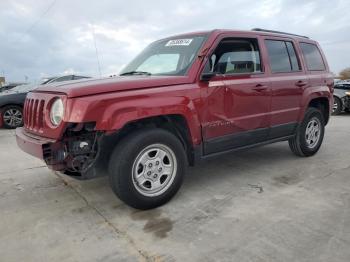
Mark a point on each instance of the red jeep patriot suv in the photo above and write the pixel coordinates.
(183, 99)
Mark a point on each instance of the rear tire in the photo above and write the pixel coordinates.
(147, 168)
(310, 133)
(338, 106)
(12, 116)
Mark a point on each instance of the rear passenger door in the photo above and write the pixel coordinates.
(288, 81)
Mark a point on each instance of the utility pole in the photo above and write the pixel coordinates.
(97, 57)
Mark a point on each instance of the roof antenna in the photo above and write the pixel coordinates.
(97, 57)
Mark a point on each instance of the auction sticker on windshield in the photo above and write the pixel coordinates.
(176, 42)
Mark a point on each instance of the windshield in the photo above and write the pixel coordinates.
(166, 57)
(45, 81)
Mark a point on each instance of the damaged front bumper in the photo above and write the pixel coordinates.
(83, 154)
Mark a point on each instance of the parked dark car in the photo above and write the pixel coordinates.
(341, 97)
(12, 101)
(64, 78)
(10, 86)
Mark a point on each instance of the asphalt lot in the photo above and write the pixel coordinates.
(264, 204)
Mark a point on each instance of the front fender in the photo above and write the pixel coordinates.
(120, 114)
(112, 114)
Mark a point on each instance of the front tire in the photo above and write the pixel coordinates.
(310, 133)
(12, 117)
(147, 168)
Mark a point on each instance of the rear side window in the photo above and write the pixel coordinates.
(313, 58)
(282, 56)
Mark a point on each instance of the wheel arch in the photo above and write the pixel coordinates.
(176, 124)
(323, 104)
(11, 104)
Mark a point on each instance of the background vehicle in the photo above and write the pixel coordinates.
(12, 101)
(10, 86)
(341, 97)
(183, 99)
(64, 78)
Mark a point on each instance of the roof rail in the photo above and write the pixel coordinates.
(277, 32)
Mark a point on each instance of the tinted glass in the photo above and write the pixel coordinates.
(279, 57)
(235, 56)
(62, 78)
(293, 57)
(312, 57)
(79, 77)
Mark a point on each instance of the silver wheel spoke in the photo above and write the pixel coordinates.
(151, 176)
(167, 170)
(161, 154)
(141, 180)
(155, 184)
(144, 160)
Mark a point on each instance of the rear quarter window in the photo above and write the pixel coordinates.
(313, 58)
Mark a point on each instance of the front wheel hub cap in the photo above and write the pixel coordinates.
(154, 170)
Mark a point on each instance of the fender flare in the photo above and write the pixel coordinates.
(120, 114)
(315, 93)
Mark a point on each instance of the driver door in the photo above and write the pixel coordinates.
(237, 98)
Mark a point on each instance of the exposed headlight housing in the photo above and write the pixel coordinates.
(57, 112)
(347, 93)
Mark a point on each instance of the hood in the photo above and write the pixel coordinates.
(111, 84)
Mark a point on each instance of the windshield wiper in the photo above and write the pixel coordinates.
(136, 73)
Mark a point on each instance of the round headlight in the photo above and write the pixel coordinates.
(56, 112)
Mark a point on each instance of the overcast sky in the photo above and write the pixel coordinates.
(40, 38)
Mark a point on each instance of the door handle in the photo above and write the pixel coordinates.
(301, 83)
(260, 87)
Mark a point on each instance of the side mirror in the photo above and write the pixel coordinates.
(207, 76)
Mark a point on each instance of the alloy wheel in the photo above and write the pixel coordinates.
(13, 117)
